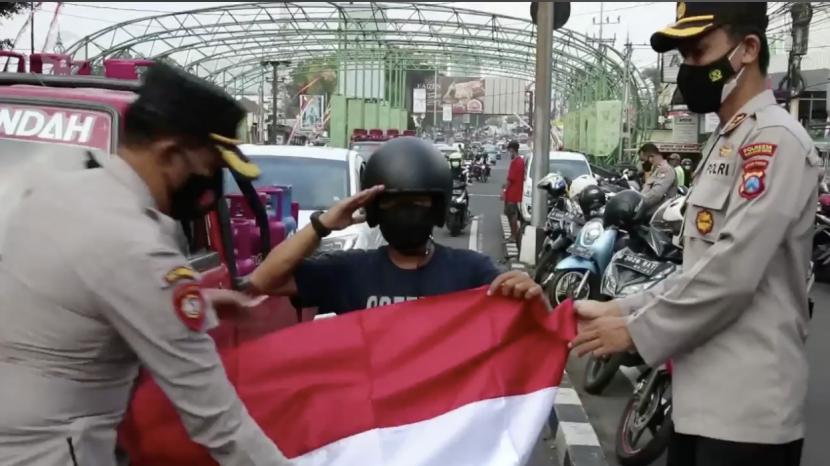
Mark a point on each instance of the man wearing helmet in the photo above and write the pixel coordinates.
(407, 187)
(734, 321)
(662, 184)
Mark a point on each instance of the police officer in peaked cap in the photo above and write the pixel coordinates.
(734, 322)
(94, 284)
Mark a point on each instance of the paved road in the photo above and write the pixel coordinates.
(485, 235)
(604, 411)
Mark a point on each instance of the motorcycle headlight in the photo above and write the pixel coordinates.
(340, 243)
(590, 233)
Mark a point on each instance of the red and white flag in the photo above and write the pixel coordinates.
(461, 379)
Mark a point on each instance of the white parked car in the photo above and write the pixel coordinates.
(319, 177)
(568, 164)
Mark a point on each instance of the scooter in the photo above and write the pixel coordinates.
(458, 214)
(648, 257)
(821, 239)
(589, 255)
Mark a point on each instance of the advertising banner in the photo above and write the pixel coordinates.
(419, 100)
(77, 127)
(447, 112)
(465, 94)
(670, 66)
(312, 109)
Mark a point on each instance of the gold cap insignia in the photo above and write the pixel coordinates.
(681, 10)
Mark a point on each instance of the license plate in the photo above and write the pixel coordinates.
(579, 251)
(639, 264)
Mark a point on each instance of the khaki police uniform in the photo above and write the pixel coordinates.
(734, 322)
(661, 185)
(93, 285)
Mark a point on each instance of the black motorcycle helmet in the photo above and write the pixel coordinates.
(409, 165)
(623, 210)
(591, 198)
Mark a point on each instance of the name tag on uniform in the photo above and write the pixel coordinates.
(718, 168)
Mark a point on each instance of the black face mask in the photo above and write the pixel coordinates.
(702, 87)
(198, 196)
(407, 228)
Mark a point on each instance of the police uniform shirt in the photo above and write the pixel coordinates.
(93, 283)
(734, 322)
(661, 184)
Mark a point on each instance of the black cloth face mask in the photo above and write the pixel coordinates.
(705, 87)
(197, 196)
(407, 228)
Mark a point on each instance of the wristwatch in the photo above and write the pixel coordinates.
(318, 226)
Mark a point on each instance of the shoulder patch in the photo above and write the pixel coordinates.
(190, 306)
(177, 274)
(760, 149)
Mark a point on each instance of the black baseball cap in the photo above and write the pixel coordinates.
(697, 18)
(185, 104)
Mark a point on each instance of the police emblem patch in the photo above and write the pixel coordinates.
(190, 306)
(704, 222)
(726, 151)
(752, 184)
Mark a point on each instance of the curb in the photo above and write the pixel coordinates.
(575, 439)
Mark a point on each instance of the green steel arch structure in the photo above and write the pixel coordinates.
(227, 45)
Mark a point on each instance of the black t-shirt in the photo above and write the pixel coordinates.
(353, 280)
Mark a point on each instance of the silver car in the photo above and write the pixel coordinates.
(319, 177)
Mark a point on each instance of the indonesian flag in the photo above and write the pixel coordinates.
(460, 379)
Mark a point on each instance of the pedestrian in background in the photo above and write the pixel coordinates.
(514, 190)
(674, 161)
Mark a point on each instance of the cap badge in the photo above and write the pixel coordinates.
(681, 10)
(715, 75)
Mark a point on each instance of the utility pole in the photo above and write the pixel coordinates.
(32, 25)
(625, 130)
(541, 117)
(802, 14)
(275, 64)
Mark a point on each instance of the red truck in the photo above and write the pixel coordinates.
(58, 118)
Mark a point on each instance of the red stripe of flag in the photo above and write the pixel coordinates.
(316, 383)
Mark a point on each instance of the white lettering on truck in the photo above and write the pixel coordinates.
(55, 127)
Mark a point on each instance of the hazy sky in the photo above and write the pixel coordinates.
(637, 20)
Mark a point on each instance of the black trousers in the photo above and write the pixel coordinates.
(691, 450)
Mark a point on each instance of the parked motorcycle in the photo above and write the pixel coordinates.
(821, 239)
(649, 256)
(589, 254)
(648, 411)
(458, 214)
(561, 225)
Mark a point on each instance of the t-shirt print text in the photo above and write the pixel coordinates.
(378, 301)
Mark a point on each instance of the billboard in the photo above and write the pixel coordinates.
(669, 66)
(42, 123)
(464, 94)
(312, 111)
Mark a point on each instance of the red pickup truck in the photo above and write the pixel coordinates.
(59, 118)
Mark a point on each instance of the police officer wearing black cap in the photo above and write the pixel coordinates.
(734, 322)
(93, 284)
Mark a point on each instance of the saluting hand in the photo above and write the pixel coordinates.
(343, 214)
(517, 284)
